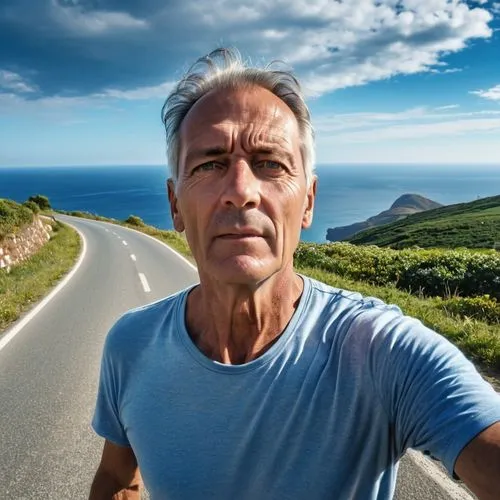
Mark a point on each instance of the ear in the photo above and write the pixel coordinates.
(309, 204)
(174, 209)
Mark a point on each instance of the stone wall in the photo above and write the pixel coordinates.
(15, 248)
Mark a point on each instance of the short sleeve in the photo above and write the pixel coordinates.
(435, 398)
(106, 421)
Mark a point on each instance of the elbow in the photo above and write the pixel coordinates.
(107, 487)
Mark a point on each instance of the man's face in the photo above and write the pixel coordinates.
(241, 194)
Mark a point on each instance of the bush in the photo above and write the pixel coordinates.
(32, 206)
(484, 308)
(41, 201)
(436, 272)
(133, 220)
(13, 217)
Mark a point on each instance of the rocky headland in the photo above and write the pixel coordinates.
(405, 205)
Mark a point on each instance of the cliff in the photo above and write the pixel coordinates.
(405, 205)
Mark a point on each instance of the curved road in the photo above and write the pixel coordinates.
(49, 371)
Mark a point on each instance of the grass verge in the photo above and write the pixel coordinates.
(31, 280)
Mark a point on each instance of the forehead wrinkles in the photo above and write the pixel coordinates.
(252, 117)
(258, 134)
(249, 135)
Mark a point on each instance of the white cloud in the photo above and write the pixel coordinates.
(10, 101)
(448, 106)
(78, 21)
(371, 122)
(495, 7)
(422, 131)
(330, 44)
(334, 45)
(11, 81)
(141, 93)
(492, 94)
(402, 129)
(445, 71)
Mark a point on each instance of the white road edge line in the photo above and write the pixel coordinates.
(124, 242)
(144, 282)
(133, 257)
(438, 476)
(12, 332)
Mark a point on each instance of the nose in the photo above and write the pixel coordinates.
(242, 187)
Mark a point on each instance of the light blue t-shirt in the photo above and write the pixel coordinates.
(326, 412)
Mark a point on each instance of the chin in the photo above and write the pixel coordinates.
(243, 270)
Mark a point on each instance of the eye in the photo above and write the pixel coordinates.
(206, 167)
(270, 164)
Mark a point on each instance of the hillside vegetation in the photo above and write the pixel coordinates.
(473, 225)
(13, 217)
(426, 272)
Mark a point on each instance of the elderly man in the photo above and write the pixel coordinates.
(259, 383)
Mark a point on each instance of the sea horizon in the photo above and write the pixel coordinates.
(347, 193)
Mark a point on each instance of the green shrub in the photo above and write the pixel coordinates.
(134, 220)
(13, 217)
(32, 206)
(484, 308)
(42, 201)
(430, 272)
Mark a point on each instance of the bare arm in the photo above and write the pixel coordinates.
(117, 477)
(479, 464)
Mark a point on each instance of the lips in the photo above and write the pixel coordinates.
(240, 234)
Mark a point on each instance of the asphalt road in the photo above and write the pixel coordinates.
(49, 371)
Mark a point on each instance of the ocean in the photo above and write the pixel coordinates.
(346, 193)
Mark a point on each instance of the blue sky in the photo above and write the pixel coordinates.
(82, 82)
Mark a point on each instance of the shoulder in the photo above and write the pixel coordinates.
(346, 306)
(140, 325)
(370, 323)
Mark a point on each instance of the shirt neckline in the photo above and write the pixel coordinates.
(268, 356)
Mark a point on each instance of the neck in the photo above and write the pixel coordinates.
(234, 324)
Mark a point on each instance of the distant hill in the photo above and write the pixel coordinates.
(474, 225)
(405, 205)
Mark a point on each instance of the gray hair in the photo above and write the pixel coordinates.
(224, 69)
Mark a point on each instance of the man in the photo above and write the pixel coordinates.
(259, 383)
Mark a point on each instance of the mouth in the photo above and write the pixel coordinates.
(239, 236)
(243, 233)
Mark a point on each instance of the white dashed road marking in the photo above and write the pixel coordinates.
(133, 257)
(144, 282)
(124, 242)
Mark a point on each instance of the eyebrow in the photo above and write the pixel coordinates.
(221, 150)
(206, 153)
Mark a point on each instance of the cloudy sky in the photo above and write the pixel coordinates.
(82, 82)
